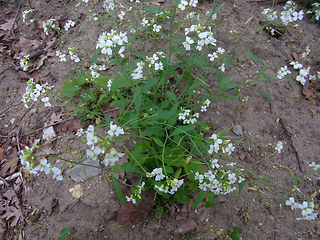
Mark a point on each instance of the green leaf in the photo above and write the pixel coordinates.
(140, 54)
(172, 96)
(69, 90)
(94, 57)
(102, 81)
(158, 142)
(117, 189)
(137, 99)
(194, 86)
(182, 129)
(159, 210)
(241, 185)
(234, 234)
(209, 200)
(120, 82)
(192, 167)
(182, 196)
(64, 232)
(224, 83)
(199, 199)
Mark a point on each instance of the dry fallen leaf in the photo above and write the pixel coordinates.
(12, 212)
(134, 213)
(8, 25)
(9, 163)
(56, 117)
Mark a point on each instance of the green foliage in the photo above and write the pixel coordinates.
(159, 110)
(234, 234)
(63, 234)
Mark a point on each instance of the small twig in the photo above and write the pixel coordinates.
(15, 20)
(29, 4)
(111, 110)
(297, 155)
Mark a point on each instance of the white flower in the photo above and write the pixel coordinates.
(112, 157)
(183, 5)
(91, 139)
(57, 173)
(222, 68)
(199, 177)
(187, 43)
(115, 130)
(279, 146)
(158, 66)
(156, 28)
(121, 15)
(213, 56)
(229, 149)
(296, 65)
(44, 166)
(193, 3)
(46, 101)
(214, 163)
(314, 166)
(69, 24)
(93, 155)
(301, 79)
(220, 50)
(232, 178)
(144, 22)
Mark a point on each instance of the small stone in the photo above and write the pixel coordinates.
(81, 173)
(237, 129)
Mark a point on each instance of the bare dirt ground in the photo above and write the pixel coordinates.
(87, 208)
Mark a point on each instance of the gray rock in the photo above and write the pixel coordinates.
(80, 173)
(237, 129)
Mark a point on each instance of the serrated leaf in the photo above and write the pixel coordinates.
(120, 82)
(102, 81)
(69, 90)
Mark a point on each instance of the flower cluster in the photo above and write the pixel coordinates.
(154, 60)
(69, 24)
(279, 147)
(94, 68)
(136, 193)
(187, 117)
(283, 72)
(137, 73)
(24, 62)
(216, 144)
(27, 155)
(109, 5)
(26, 15)
(73, 54)
(215, 55)
(306, 207)
(316, 10)
(62, 55)
(218, 180)
(289, 15)
(183, 4)
(204, 37)
(34, 91)
(92, 140)
(49, 24)
(205, 105)
(110, 40)
(157, 172)
(314, 166)
(170, 186)
(271, 15)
